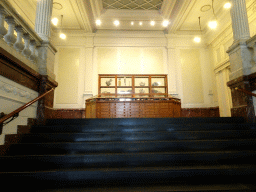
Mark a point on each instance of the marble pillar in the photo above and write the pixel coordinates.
(46, 51)
(240, 62)
(43, 19)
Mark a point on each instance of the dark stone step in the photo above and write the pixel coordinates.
(222, 174)
(144, 121)
(124, 128)
(111, 160)
(131, 136)
(130, 146)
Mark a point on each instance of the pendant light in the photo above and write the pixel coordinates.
(62, 35)
(213, 24)
(197, 39)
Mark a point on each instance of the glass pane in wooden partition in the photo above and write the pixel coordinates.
(107, 90)
(141, 81)
(108, 81)
(124, 91)
(158, 90)
(124, 81)
(159, 81)
(137, 95)
(141, 90)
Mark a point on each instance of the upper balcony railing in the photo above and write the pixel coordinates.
(25, 40)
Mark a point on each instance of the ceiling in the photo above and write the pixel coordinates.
(80, 15)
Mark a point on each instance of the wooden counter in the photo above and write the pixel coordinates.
(133, 107)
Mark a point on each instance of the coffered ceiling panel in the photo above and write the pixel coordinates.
(133, 4)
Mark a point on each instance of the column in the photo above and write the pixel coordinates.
(46, 52)
(239, 18)
(43, 19)
(240, 62)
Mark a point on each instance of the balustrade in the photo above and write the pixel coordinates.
(251, 43)
(26, 41)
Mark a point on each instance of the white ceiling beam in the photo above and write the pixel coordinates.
(179, 14)
(167, 8)
(83, 8)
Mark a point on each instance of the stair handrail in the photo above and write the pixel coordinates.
(245, 91)
(12, 114)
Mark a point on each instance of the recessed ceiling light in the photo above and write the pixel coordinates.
(197, 39)
(116, 22)
(140, 23)
(152, 23)
(98, 22)
(213, 24)
(55, 21)
(132, 23)
(63, 36)
(227, 5)
(165, 23)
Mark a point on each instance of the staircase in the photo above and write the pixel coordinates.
(172, 154)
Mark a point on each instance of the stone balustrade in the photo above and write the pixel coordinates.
(251, 43)
(26, 41)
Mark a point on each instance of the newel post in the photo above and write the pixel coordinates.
(41, 117)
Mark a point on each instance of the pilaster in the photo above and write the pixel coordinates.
(89, 73)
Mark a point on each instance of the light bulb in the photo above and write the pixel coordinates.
(165, 23)
(132, 23)
(152, 23)
(197, 39)
(116, 22)
(63, 36)
(55, 21)
(98, 22)
(227, 5)
(213, 24)
(140, 23)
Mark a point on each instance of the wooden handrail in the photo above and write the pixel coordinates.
(245, 91)
(24, 107)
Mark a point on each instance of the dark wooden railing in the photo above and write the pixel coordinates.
(12, 114)
(250, 107)
(245, 91)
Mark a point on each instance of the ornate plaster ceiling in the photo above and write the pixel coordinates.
(132, 4)
(80, 15)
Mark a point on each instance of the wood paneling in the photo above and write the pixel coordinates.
(65, 113)
(200, 112)
(154, 108)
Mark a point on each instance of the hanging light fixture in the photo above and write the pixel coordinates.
(62, 35)
(213, 24)
(197, 39)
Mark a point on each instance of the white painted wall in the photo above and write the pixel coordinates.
(133, 52)
(13, 96)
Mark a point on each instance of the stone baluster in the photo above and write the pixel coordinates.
(26, 51)
(3, 31)
(32, 48)
(10, 38)
(18, 45)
